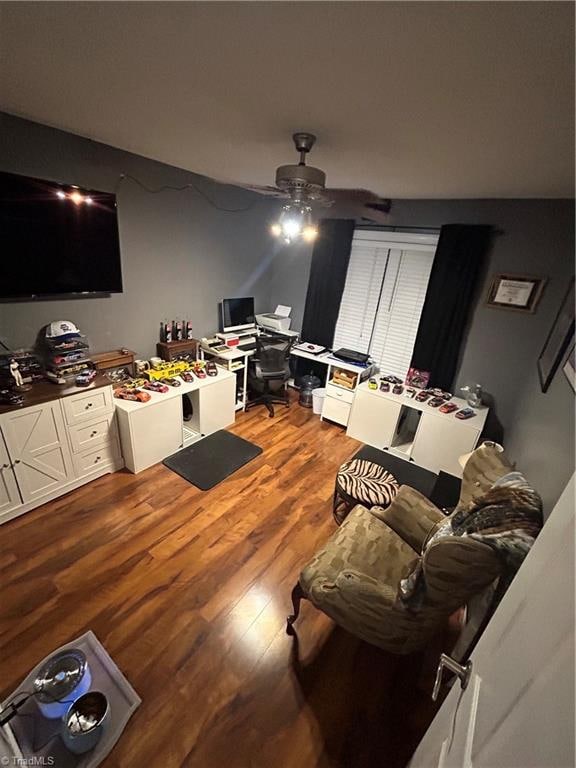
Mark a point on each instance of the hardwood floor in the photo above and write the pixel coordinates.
(189, 592)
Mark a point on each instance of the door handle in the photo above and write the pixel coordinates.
(462, 672)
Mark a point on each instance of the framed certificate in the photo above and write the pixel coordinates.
(519, 292)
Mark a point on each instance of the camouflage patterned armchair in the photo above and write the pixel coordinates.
(355, 577)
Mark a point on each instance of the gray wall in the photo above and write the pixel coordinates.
(180, 256)
(536, 237)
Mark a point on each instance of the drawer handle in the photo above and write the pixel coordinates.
(94, 432)
(97, 459)
(17, 461)
(88, 405)
(6, 466)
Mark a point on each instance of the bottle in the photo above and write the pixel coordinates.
(168, 332)
(189, 329)
(162, 331)
(178, 325)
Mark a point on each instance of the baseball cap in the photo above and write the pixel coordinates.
(62, 329)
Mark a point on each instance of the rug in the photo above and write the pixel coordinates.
(212, 459)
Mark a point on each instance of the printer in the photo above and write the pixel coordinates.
(275, 321)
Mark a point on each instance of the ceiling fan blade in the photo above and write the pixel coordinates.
(262, 190)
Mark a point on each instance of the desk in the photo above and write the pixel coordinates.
(149, 432)
(338, 399)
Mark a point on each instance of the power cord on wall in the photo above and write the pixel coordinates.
(190, 186)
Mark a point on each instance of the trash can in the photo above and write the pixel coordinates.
(318, 399)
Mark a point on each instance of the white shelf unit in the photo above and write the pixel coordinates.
(151, 431)
(233, 361)
(414, 431)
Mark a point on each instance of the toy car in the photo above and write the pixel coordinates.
(198, 369)
(384, 386)
(434, 402)
(391, 379)
(211, 368)
(187, 377)
(410, 392)
(465, 413)
(421, 397)
(372, 384)
(10, 398)
(85, 378)
(132, 394)
(441, 394)
(171, 381)
(448, 408)
(156, 386)
(397, 389)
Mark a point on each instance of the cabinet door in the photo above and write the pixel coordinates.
(216, 405)
(37, 444)
(373, 419)
(440, 440)
(9, 495)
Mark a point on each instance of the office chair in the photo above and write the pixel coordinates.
(269, 371)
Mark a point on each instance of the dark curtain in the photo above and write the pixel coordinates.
(327, 278)
(458, 263)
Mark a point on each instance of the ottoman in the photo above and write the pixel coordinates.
(362, 482)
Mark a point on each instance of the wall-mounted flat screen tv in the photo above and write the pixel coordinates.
(56, 239)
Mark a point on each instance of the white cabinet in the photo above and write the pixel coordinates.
(9, 494)
(38, 446)
(413, 430)
(439, 442)
(151, 431)
(373, 420)
(53, 447)
(342, 380)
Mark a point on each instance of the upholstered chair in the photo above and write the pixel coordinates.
(355, 578)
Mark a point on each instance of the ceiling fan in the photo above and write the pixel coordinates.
(303, 186)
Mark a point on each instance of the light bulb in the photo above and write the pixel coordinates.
(291, 228)
(276, 230)
(61, 195)
(76, 198)
(88, 200)
(309, 233)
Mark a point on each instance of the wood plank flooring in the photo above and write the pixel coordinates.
(189, 591)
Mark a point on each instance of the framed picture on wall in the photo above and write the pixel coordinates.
(518, 292)
(558, 341)
(570, 367)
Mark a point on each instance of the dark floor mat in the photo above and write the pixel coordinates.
(210, 460)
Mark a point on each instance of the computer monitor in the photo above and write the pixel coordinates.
(237, 314)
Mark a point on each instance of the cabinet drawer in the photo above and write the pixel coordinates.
(340, 394)
(92, 461)
(87, 405)
(336, 410)
(84, 437)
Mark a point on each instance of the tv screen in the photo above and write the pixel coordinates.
(237, 313)
(56, 239)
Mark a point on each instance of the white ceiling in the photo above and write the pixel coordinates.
(409, 99)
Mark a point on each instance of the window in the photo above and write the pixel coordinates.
(383, 297)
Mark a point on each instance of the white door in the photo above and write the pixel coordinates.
(9, 495)
(37, 444)
(518, 708)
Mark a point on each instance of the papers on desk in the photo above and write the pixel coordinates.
(283, 311)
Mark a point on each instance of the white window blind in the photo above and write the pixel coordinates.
(383, 297)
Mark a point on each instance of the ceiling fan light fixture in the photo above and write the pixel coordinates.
(295, 222)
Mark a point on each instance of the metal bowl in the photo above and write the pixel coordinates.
(83, 723)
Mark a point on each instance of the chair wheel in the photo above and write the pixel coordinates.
(270, 415)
